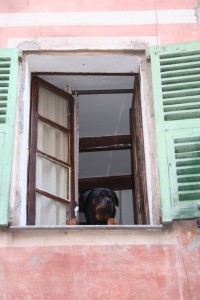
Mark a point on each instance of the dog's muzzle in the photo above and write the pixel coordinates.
(106, 205)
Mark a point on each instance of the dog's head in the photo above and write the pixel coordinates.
(98, 205)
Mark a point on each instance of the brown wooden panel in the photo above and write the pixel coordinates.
(105, 143)
(116, 183)
(104, 92)
(32, 153)
(141, 212)
(88, 73)
(72, 183)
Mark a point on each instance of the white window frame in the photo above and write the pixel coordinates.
(21, 142)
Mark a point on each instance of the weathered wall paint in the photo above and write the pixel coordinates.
(104, 264)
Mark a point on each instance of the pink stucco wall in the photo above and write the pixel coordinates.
(128, 264)
(165, 31)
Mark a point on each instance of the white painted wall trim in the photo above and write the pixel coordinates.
(141, 17)
(22, 138)
(82, 43)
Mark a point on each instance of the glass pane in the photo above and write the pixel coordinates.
(53, 141)
(50, 212)
(53, 107)
(52, 178)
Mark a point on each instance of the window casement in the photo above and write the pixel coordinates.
(8, 96)
(51, 162)
(176, 89)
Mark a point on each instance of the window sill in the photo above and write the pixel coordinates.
(87, 227)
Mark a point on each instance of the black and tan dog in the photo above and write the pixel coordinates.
(98, 206)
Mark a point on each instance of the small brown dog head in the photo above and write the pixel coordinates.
(98, 205)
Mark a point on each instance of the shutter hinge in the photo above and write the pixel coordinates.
(198, 222)
(148, 58)
(20, 59)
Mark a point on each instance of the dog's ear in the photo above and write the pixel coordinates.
(83, 199)
(115, 198)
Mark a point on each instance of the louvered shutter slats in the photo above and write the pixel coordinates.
(8, 91)
(4, 84)
(179, 74)
(176, 86)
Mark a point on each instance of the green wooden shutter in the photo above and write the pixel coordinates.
(176, 92)
(8, 90)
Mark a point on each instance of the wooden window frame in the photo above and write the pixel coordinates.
(34, 117)
(90, 144)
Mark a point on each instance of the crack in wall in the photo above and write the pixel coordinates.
(197, 12)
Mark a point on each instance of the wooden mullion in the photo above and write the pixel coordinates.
(53, 159)
(123, 182)
(105, 143)
(105, 148)
(53, 197)
(72, 163)
(31, 203)
(134, 165)
(141, 211)
(104, 92)
(53, 124)
(129, 74)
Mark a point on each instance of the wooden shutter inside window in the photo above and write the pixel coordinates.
(176, 87)
(8, 94)
(141, 208)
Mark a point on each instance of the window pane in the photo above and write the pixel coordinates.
(50, 212)
(53, 107)
(52, 178)
(53, 141)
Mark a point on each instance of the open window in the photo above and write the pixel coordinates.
(107, 123)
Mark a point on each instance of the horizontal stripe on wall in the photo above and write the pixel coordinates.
(81, 43)
(67, 31)
(74, 38)
(99, 36)
(110, 18)
(91, 5)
